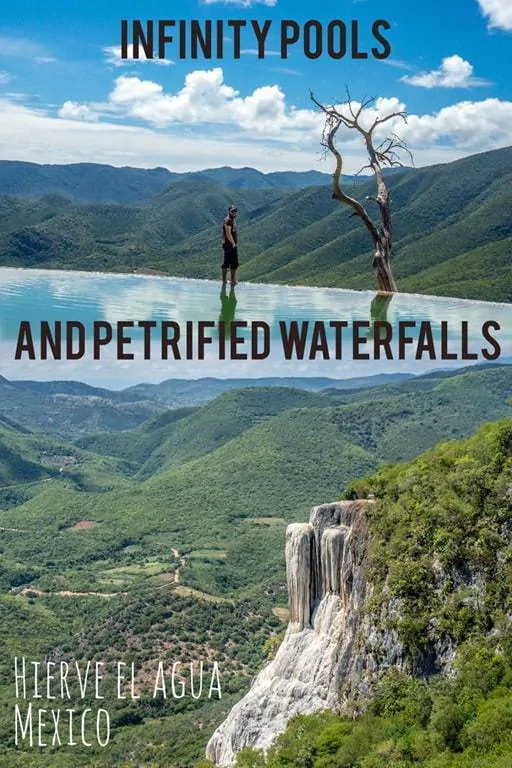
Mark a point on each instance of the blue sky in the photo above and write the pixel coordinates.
(66, 97)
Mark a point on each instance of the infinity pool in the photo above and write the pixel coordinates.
(41, 295)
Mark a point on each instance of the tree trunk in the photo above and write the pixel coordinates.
(382, 269)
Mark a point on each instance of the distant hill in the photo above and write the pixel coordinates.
(180, 435)
(28, 461)
(52, 230)
(84, 182)
(17, 464)
(250, 178)
(197, 391)
(229, 474)
(167, 540)
(391, 422)
(452, 232)
(97, 183)
(452, 235)
(70, 407)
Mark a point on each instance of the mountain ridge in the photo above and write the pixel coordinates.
(103, 183)
(452, 235)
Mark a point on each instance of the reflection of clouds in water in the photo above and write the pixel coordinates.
(410, 306)
(36, 294)
(141, 296)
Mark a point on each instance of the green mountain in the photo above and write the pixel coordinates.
(96, 183)
(18, 463)
(53, 232)
(459, 241)
(33, 459)
(180, 435)
(394, 421)
(452, 234)
(225, 478)
(85, 182)
(250, 178)
(197, 391)
(71, 408)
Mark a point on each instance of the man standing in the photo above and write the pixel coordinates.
(229, 245)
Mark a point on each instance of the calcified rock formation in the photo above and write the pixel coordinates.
(331, 652)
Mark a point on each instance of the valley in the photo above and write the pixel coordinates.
(164, 541)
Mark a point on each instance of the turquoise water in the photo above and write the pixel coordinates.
(40, 295)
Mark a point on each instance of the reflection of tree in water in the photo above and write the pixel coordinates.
(379, 313)
(227, 309)
(379, 306)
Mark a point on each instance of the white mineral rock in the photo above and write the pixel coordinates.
(319, 664)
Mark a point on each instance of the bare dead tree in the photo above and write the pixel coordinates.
(385, 154)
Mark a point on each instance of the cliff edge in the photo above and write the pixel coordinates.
(318, 665)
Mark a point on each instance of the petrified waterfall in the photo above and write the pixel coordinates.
(299, 557)
(331, 651)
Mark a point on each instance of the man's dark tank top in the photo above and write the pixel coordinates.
(229, 222)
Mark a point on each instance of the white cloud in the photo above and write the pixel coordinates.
(21, 47)
(398, 64)
(461, 128)
(33, 135)
(113, 57)
(472, 126)
(71, 110)
(4, 77)
(45, 59)
(454, 72)
(286, 71)
(208, 102)
(499, 13)
(206, 99)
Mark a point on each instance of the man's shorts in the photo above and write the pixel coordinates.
(230, 257)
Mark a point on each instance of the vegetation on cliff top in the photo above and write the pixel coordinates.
(442, 542)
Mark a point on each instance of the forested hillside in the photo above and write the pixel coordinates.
(95, 183)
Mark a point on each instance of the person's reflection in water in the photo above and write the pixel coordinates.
(227, 308)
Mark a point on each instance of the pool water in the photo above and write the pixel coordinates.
(41, 295)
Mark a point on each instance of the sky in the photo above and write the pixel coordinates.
(67, 96)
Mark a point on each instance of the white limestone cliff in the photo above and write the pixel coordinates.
(331, 652)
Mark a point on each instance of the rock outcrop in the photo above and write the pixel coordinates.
(331, 652)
